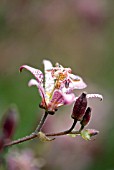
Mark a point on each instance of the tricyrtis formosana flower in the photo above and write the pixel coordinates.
(57, 90)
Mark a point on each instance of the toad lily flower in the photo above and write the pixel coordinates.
(58, 87)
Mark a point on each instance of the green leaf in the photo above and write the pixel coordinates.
(44, 138)
(85, 135)
(88, 133)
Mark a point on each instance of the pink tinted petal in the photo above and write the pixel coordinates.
(37, 73)
(57, 97)
(79, 85)
(77, 82)
(74, 77)
(69, 98)
(33, 82)
(62, 99)
(95, 96)
(67, 90)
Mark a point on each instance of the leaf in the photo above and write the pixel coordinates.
(85, 135)
(88, 133)
(43, 137)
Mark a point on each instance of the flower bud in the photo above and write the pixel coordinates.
(88, 133)
(9, 123)
(92, 132)
(79, 107)
(1, 142)
(86, 117)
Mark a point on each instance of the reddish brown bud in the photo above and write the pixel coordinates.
(9, 123)
(79, 107)
(86, 117)
(1, 142)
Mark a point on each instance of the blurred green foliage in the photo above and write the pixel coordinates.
(26, 100)
(61, 32)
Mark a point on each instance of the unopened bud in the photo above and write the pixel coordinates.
(92, 132)
(88, 133)
(79, 107)
(86, 117)
(9, 123)
(1, 142)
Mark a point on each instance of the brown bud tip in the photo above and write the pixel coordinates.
(9, 123)
(84, 94)
(86, 117)
(79, 107)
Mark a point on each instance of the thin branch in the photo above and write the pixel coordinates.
(75, 132)
(31, 136)
(41, 122)
(36, 135)
(64, 132)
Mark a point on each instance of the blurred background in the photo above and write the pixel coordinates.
(78, 34)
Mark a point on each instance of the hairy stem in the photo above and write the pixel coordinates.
(64, 132)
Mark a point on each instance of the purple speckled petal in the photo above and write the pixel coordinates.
(57, 97)
(37, 73)
(61, 98)
(77, 82)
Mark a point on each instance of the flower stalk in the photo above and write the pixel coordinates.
(42, 121)
(56, 91)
